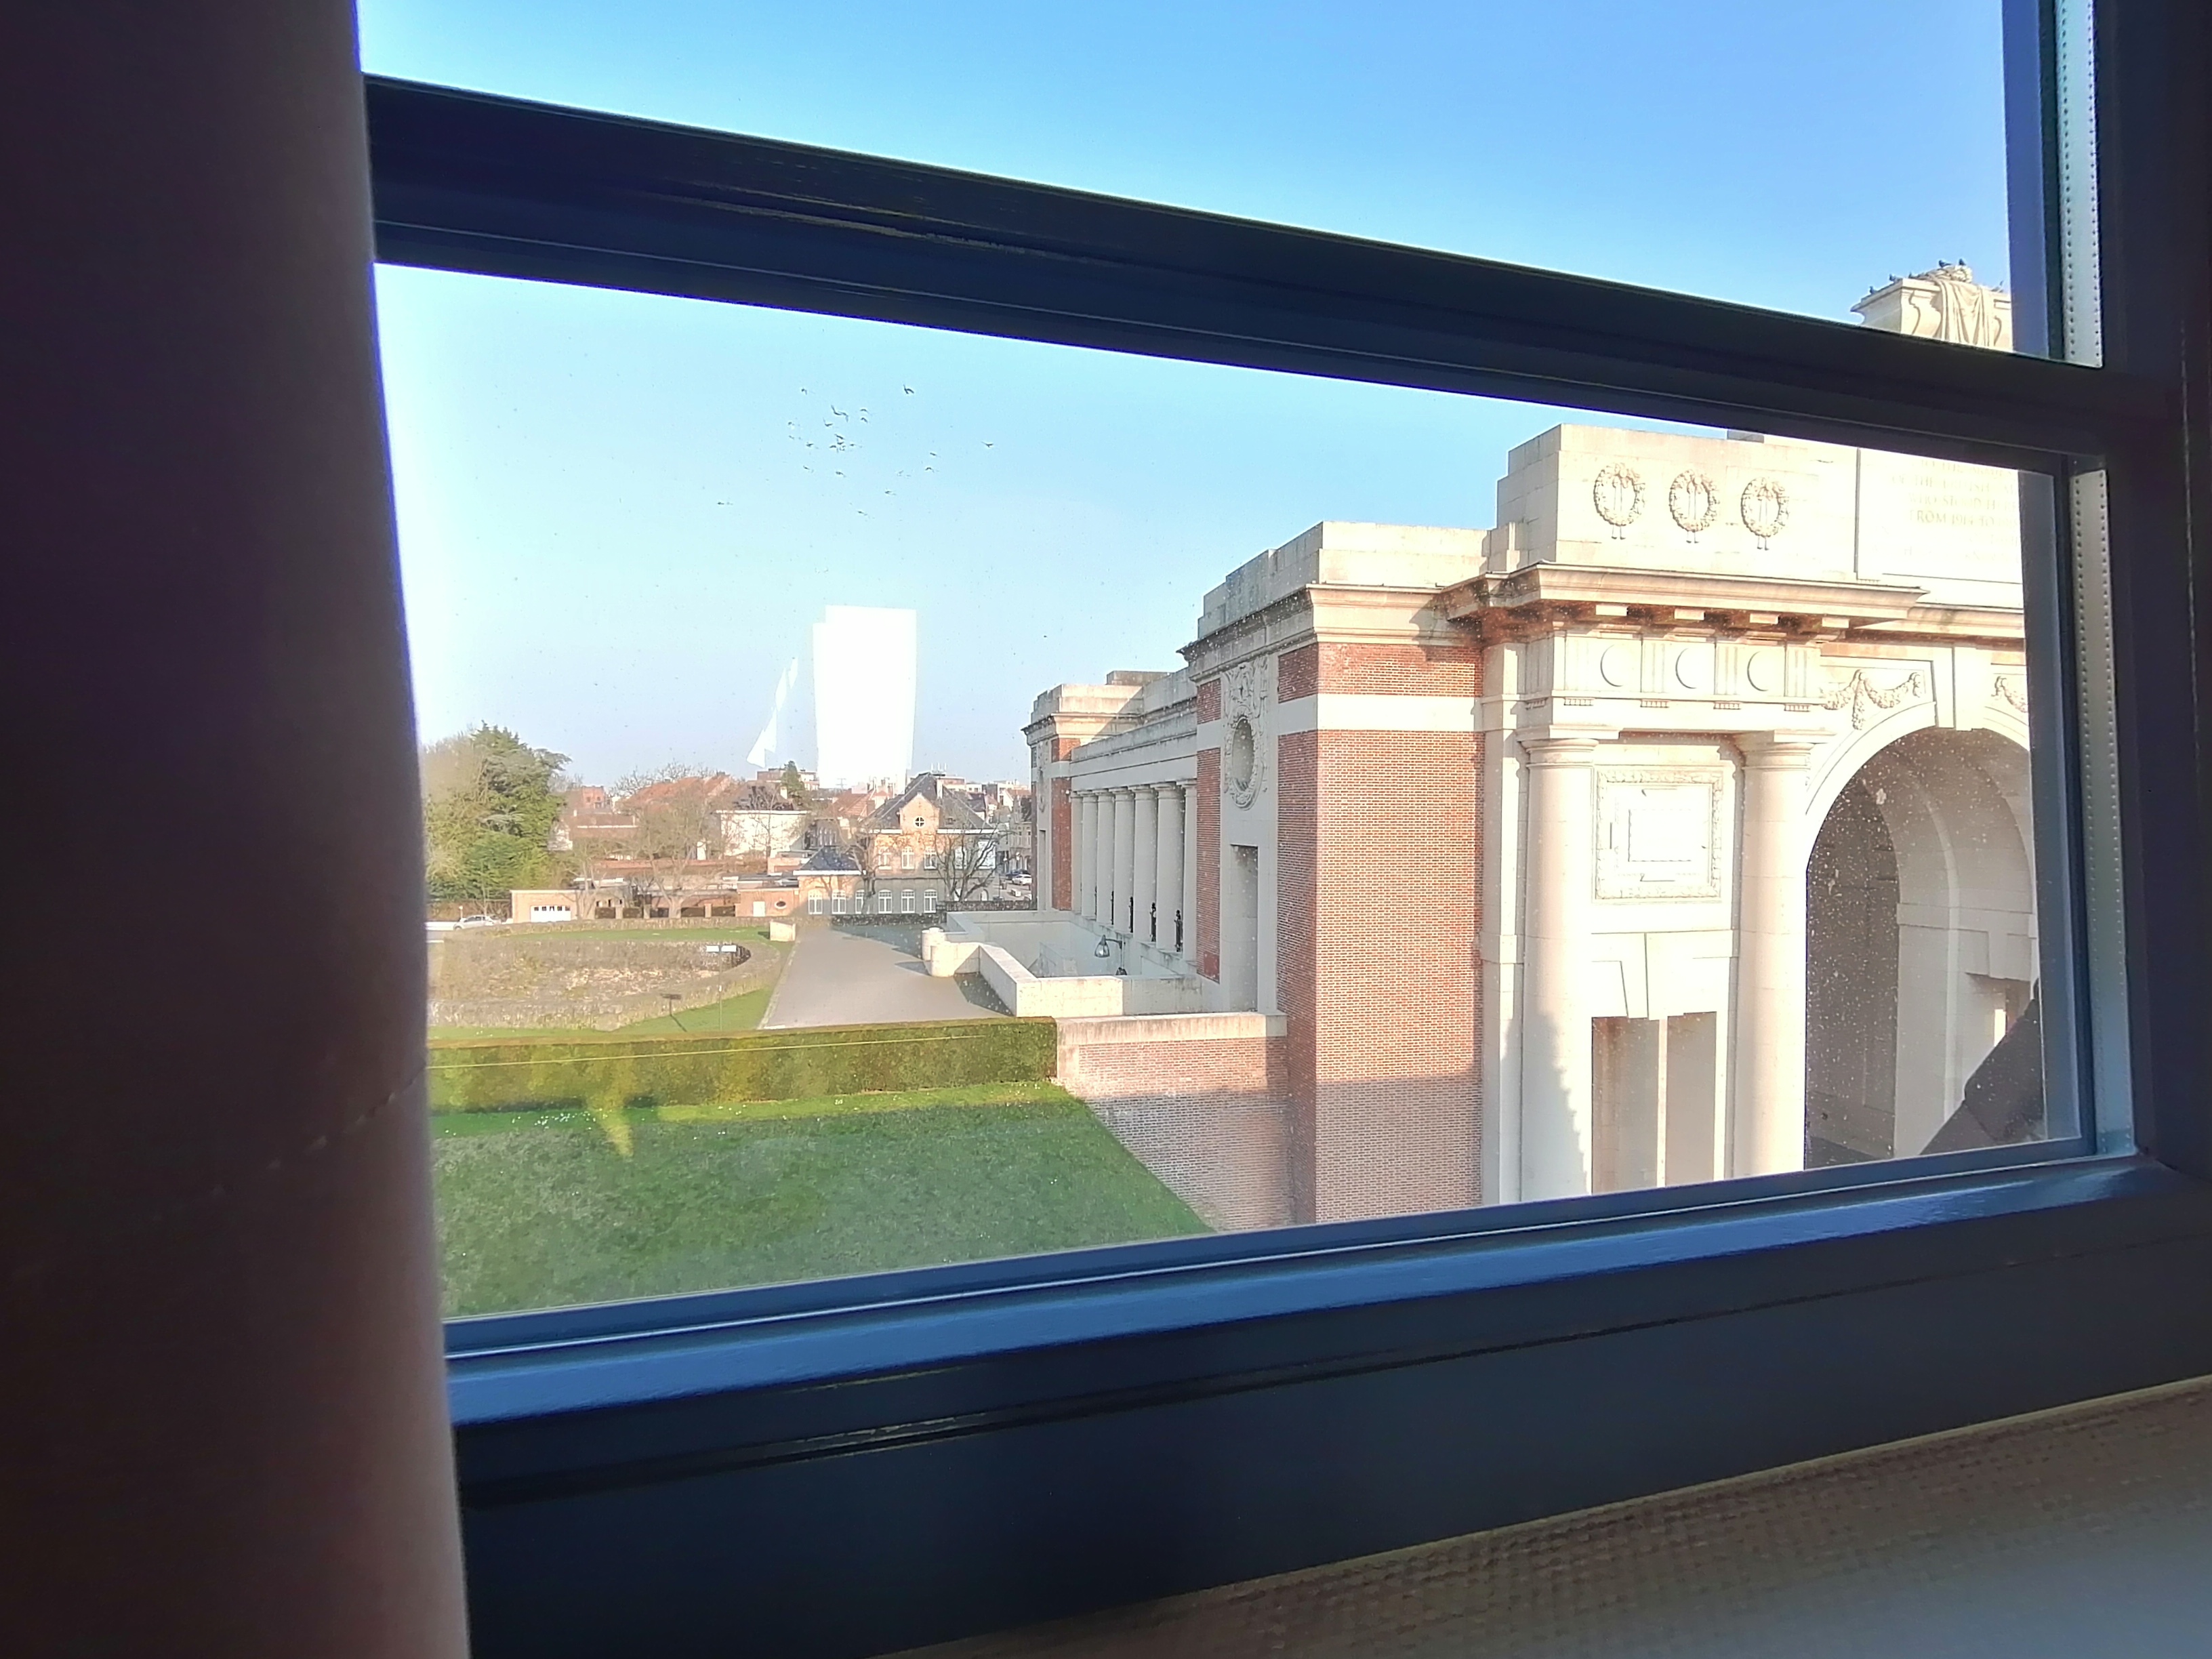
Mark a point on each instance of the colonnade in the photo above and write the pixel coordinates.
(1136, 868)
(1556, 1119)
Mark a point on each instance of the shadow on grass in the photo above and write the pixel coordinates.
(551, 1208)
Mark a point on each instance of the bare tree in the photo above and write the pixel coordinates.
(674, 806)
(966, 863)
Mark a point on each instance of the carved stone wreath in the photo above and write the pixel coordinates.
(1860, 696)
(1693, 501)
(1618, 495)
(1243, 745)
(1765, 508)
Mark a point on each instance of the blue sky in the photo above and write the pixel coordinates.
(611, 537)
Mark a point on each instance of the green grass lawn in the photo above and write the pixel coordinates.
(541, 1209)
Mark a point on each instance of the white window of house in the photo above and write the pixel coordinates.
(906, 861)
(906, 902)
(883, 904)
(814, 905)
(929, 901)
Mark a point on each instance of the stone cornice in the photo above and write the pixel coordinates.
(1950, 623)
(1172, 725)
(1761, 600)
(1333, 611)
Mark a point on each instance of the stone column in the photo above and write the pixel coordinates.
(1145, 855)
(1125, 859)
(1086, 903)
(1554, 1018)
(1190, 871)
(1769, 977)
(1167, 864)
(1102, 859)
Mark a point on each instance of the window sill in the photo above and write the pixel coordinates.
(1013, 1442)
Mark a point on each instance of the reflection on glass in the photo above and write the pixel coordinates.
(814, 890)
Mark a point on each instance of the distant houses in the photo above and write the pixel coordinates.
(715, 846)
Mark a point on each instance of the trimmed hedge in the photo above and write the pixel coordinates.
(494, 1074)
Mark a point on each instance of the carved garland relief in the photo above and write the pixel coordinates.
(1864, 698)
(1243, 745)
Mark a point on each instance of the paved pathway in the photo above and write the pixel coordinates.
(843, 976)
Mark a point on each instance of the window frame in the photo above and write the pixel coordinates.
(859, 1464)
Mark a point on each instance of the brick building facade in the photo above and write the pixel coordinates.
(1600, 849)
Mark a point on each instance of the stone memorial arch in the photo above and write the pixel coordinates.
(1674, 829)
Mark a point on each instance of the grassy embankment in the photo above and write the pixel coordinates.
(741, 1012)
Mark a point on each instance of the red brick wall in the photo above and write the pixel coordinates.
(1407, 670)
(1208, 1117)
(1376, 847)
(1298, 773)
(1395, 1102)
(1063, 844)
(1209, 700)
(1208, 853)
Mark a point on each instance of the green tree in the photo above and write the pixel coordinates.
(794, 787)
(490, 801)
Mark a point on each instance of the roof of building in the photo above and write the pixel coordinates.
(758, 798)
(673, 790)
(829, 861)
(954, 816)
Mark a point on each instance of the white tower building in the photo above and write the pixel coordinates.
(863, 679)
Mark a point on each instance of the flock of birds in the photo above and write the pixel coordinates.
(839, 440)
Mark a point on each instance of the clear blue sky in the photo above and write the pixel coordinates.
(610, 536)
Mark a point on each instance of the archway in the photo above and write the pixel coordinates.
(1920, 939)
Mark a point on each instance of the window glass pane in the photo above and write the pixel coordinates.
(1785, 156)
(1549, 806)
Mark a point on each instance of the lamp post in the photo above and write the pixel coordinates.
(1105, 950)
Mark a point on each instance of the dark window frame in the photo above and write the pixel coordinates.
(864, 1464)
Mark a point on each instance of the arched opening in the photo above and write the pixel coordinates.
(1851, 984)
(1920, 935)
